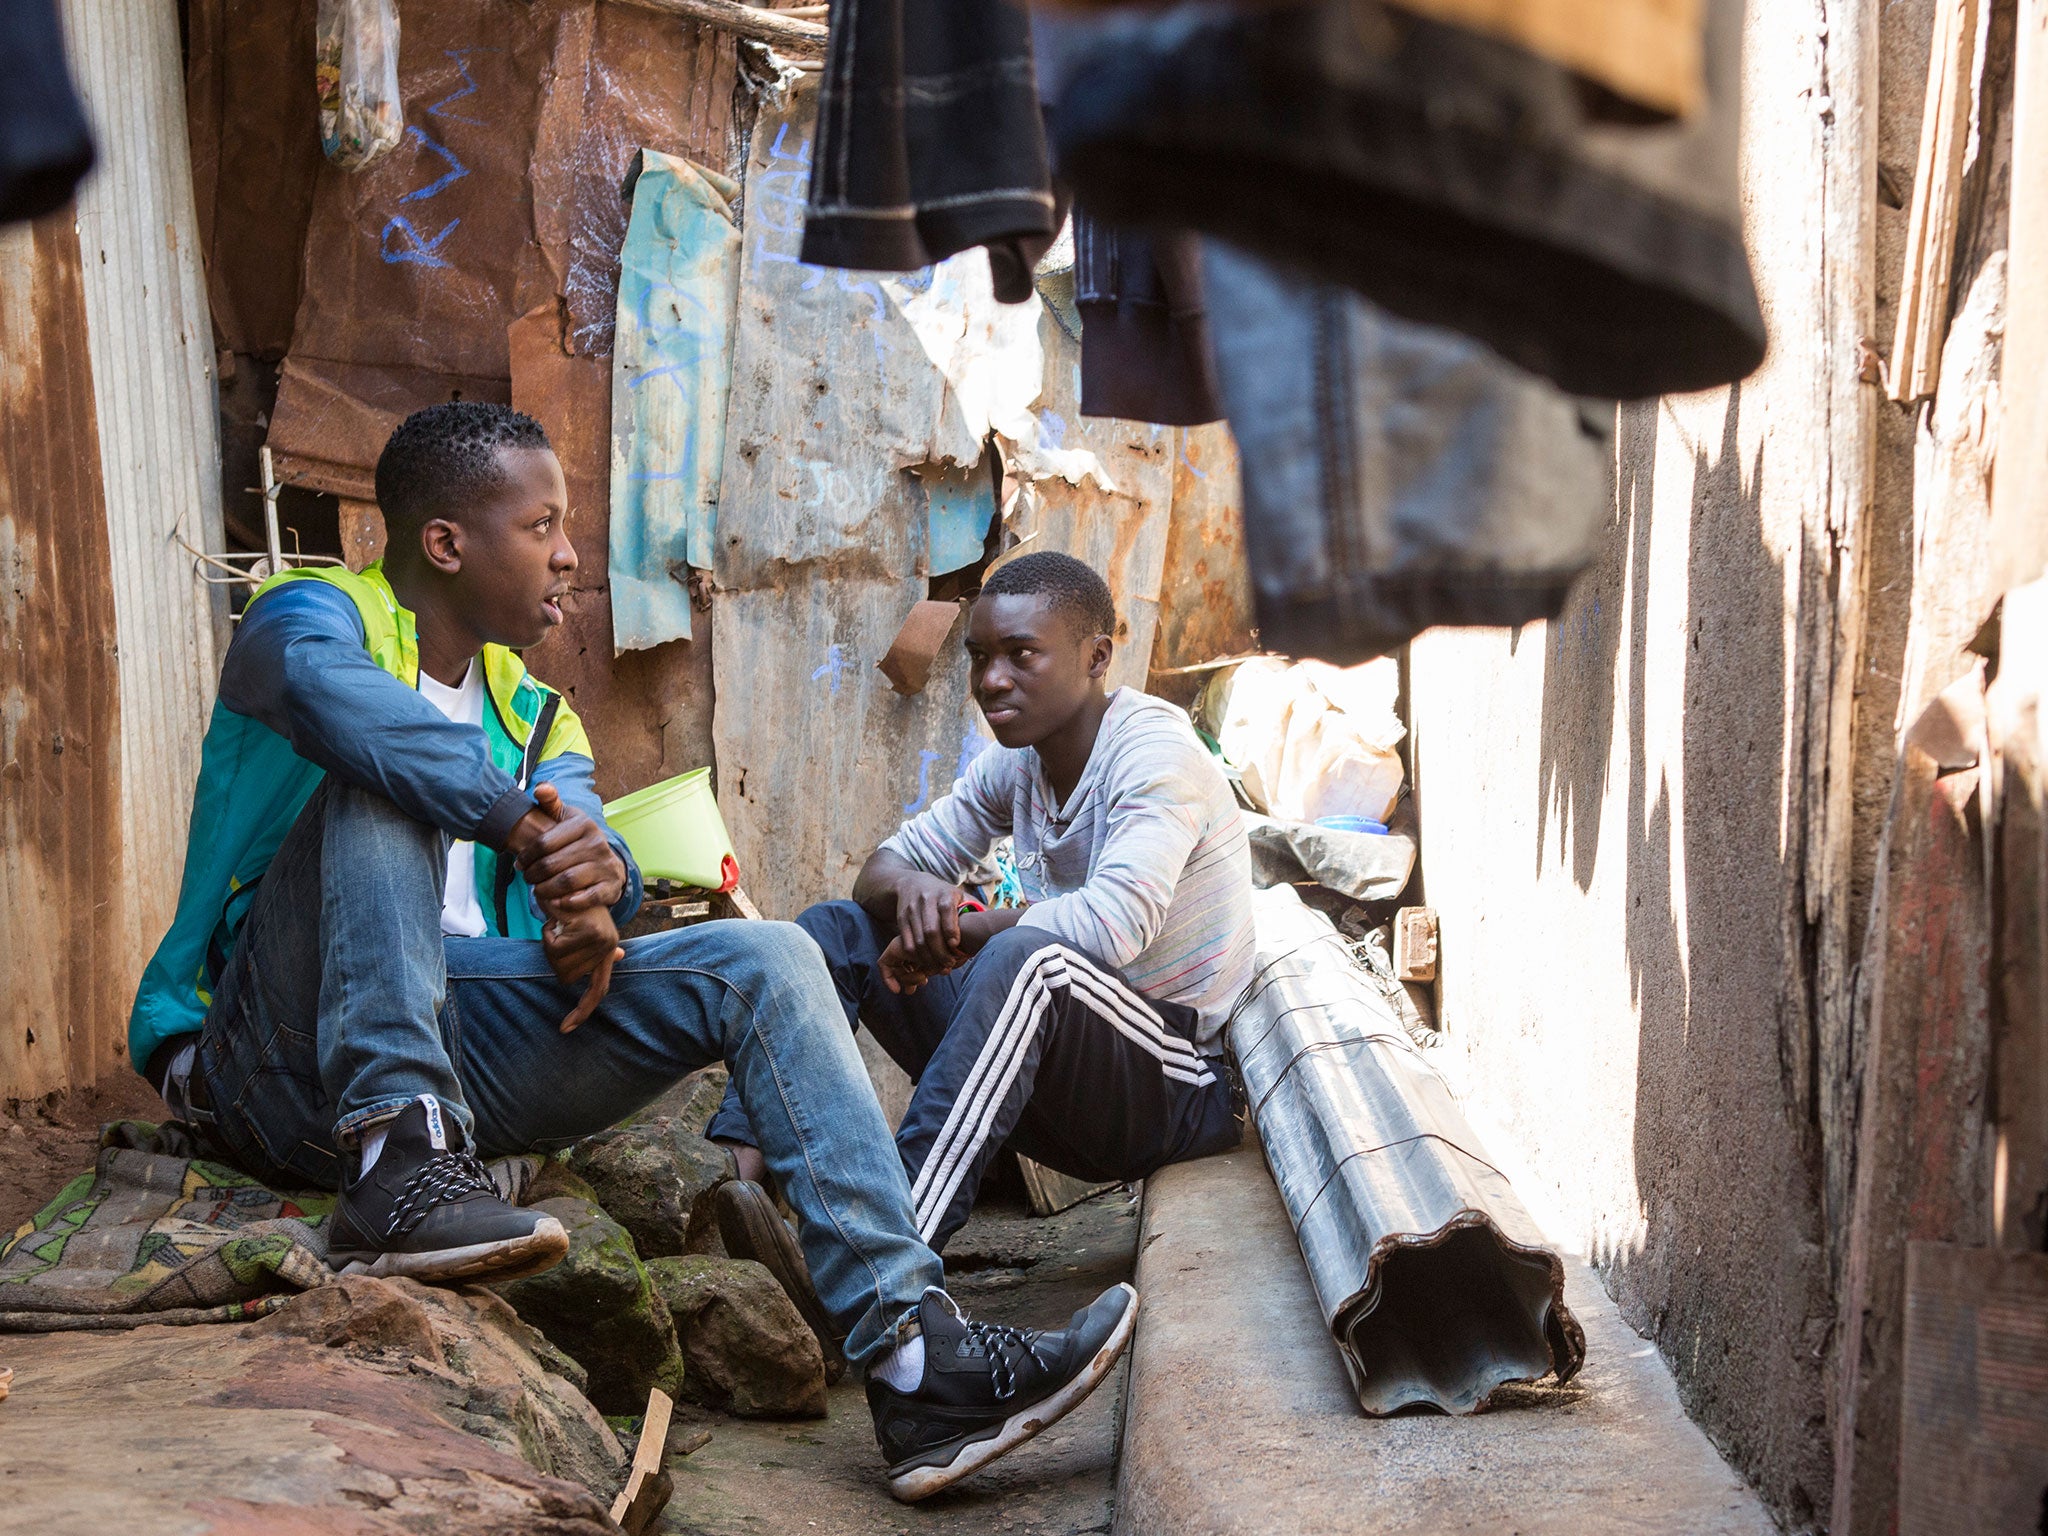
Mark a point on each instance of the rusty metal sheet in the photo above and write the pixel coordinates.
(150, 335)
(821, 530)
(1437, 1285)
(62, 935)
(845, 387)
(255, 143)
(1205, 594)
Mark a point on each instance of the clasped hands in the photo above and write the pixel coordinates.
(933, 934)
(576, 880)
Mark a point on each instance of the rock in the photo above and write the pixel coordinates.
(366, 1407)
(500, 1376)
(747, 1347)
(555, 1179)
(599, 1306)
(690, 1103)
(655, 1179)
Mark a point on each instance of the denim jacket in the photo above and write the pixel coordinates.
(323, 677)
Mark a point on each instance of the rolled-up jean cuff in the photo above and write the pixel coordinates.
(348, 1130)
(731, 1126)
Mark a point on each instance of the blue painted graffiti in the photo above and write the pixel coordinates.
(925, 759)
(835, 664)
(422, 251)
(456, 169)
(469, 86)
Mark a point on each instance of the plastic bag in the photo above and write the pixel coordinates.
(355, 72)
(1310, 740)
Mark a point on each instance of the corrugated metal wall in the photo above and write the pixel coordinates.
(60, 749)
(152, 370)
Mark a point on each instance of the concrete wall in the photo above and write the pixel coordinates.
(1641, 825)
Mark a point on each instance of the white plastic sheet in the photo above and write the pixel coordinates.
(1312, 740)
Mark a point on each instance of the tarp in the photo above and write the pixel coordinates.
(522, 123)
(679, 278)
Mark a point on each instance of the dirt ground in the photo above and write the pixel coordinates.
(45, 1143)
(823, 1477)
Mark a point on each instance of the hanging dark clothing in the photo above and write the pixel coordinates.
(45, 143)
(1144, 331)
(930, 141)
(1450, 178)
(1396, 476)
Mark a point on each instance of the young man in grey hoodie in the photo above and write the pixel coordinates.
(1084, 1028)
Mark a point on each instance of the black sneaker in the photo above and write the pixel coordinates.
(751, 1228)
(428, 1209)
(988, 1388)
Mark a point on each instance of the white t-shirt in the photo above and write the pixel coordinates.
(461, 914)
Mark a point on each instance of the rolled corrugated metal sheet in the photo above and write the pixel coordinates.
(151, 341)
(1435, 1282)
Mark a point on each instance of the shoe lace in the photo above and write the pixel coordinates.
(1001, 1342)
(441, 1178)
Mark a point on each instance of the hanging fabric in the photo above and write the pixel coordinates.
(1396, 476)
(1451, 178)
(930, 142)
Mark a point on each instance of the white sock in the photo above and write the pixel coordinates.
(902, 1367)
(373, 1147)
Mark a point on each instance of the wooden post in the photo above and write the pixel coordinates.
(1923, 1141)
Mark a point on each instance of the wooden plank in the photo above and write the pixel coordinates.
(1839, 422)
(2020, 488)
(1049, 1191)
(1923, 1160)
(647, 1488)
(1937, 198)
(797, 36)
(1974, 1423)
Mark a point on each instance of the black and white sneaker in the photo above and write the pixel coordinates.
(427, 1209)
(988, 1388)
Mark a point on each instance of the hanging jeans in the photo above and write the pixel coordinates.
(1396, 476)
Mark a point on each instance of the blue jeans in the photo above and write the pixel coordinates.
(342, 1001)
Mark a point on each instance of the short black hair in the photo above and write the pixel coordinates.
(443, 456)
(1072, 587)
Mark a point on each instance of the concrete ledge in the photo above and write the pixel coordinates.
(1239, 1418)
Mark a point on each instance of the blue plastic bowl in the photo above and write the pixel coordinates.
(1352, 824)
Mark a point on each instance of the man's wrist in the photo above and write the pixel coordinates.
(526, 831)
